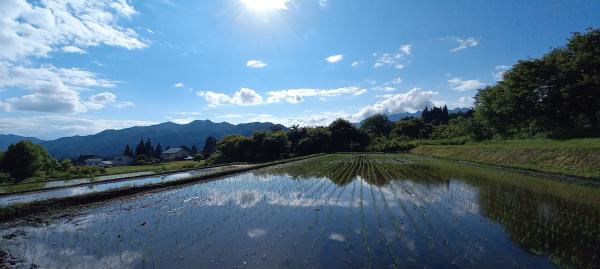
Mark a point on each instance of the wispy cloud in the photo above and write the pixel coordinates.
(393, 58)
(461, 85)
(179, 85)
(499, 73)
(293, 96)
(465, 43)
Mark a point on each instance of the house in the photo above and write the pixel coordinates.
(97, 162)
(122, 160)
(174, 154)
(81, 159)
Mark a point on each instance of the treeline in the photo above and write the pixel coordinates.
(557, 95)
(145, 152)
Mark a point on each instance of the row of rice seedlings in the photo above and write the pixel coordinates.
(364, 230)
(434, 209)
(421, 232)
(380, 229)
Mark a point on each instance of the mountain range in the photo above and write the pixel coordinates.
(112, 142)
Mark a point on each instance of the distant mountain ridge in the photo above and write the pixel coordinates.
(7, 139)
(112, 142)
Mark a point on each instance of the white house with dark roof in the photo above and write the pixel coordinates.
(98, 162)
(174, 154)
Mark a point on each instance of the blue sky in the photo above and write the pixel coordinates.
(72, 67)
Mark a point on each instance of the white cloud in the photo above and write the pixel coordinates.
(255, 64)
(214, 98)
(465, 43)
(465, 101)
(98, 101)
(500, 70)
(411, 101)
(179, 85)
(37, 28)
(72, 49)
(295, 96)
(124, 104)
(393, 58)
(334, 58)
(360, 92)
(406, 49)
(396, 81)
(51, 127)
(356, 63)
(50, 89)
(461, 85)
(244, 96)
(31, 29)
(323, 3)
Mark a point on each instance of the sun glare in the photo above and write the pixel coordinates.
(265, 5)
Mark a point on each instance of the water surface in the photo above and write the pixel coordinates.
(333, 211)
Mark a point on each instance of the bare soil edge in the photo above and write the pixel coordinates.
(58, 204)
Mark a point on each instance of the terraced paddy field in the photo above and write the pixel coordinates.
(332, 211)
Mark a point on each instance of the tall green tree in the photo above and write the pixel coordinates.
(25, 159)
(557, 93)
(346, 137)
(378, 125)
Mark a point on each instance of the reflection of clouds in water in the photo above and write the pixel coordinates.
(256, 232)
(460, 196)
(53, 256)
(337, 237)
(249, 198)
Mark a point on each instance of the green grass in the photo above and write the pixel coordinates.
(580, 157)
(160, 167)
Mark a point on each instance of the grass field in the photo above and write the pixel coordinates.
(580, 157)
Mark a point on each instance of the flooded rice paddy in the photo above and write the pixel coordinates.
(333, 211)
(68, 190)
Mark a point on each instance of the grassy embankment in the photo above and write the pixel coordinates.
(579, 157)
(160, 167)
(157, 168)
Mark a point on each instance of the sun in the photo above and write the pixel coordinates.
(265, 5)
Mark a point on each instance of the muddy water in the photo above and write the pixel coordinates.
(334, 211)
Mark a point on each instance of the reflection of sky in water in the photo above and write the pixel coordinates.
(276, 221)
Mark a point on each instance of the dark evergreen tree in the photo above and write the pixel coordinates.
(158, 151)
(210, 145)
(194, 150)
(139, 149)
(127, 151)
(148, 148)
